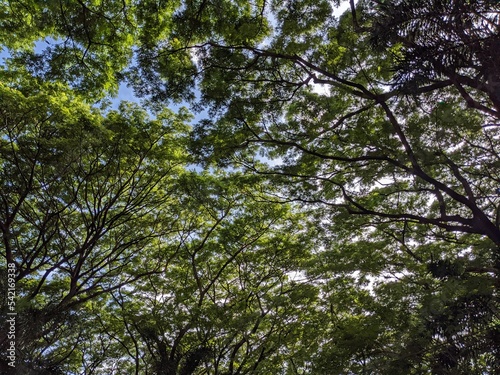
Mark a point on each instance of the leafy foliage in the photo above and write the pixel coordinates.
(347, 218)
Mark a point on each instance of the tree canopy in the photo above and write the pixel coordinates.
(332, 206)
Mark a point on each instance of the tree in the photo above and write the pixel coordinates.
(403, 166)
(225, 305)
(381, 124)
(448, 41)
(83, 43)
(126, 260)
(75, 186)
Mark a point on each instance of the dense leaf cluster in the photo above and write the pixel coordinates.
(333, 207)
